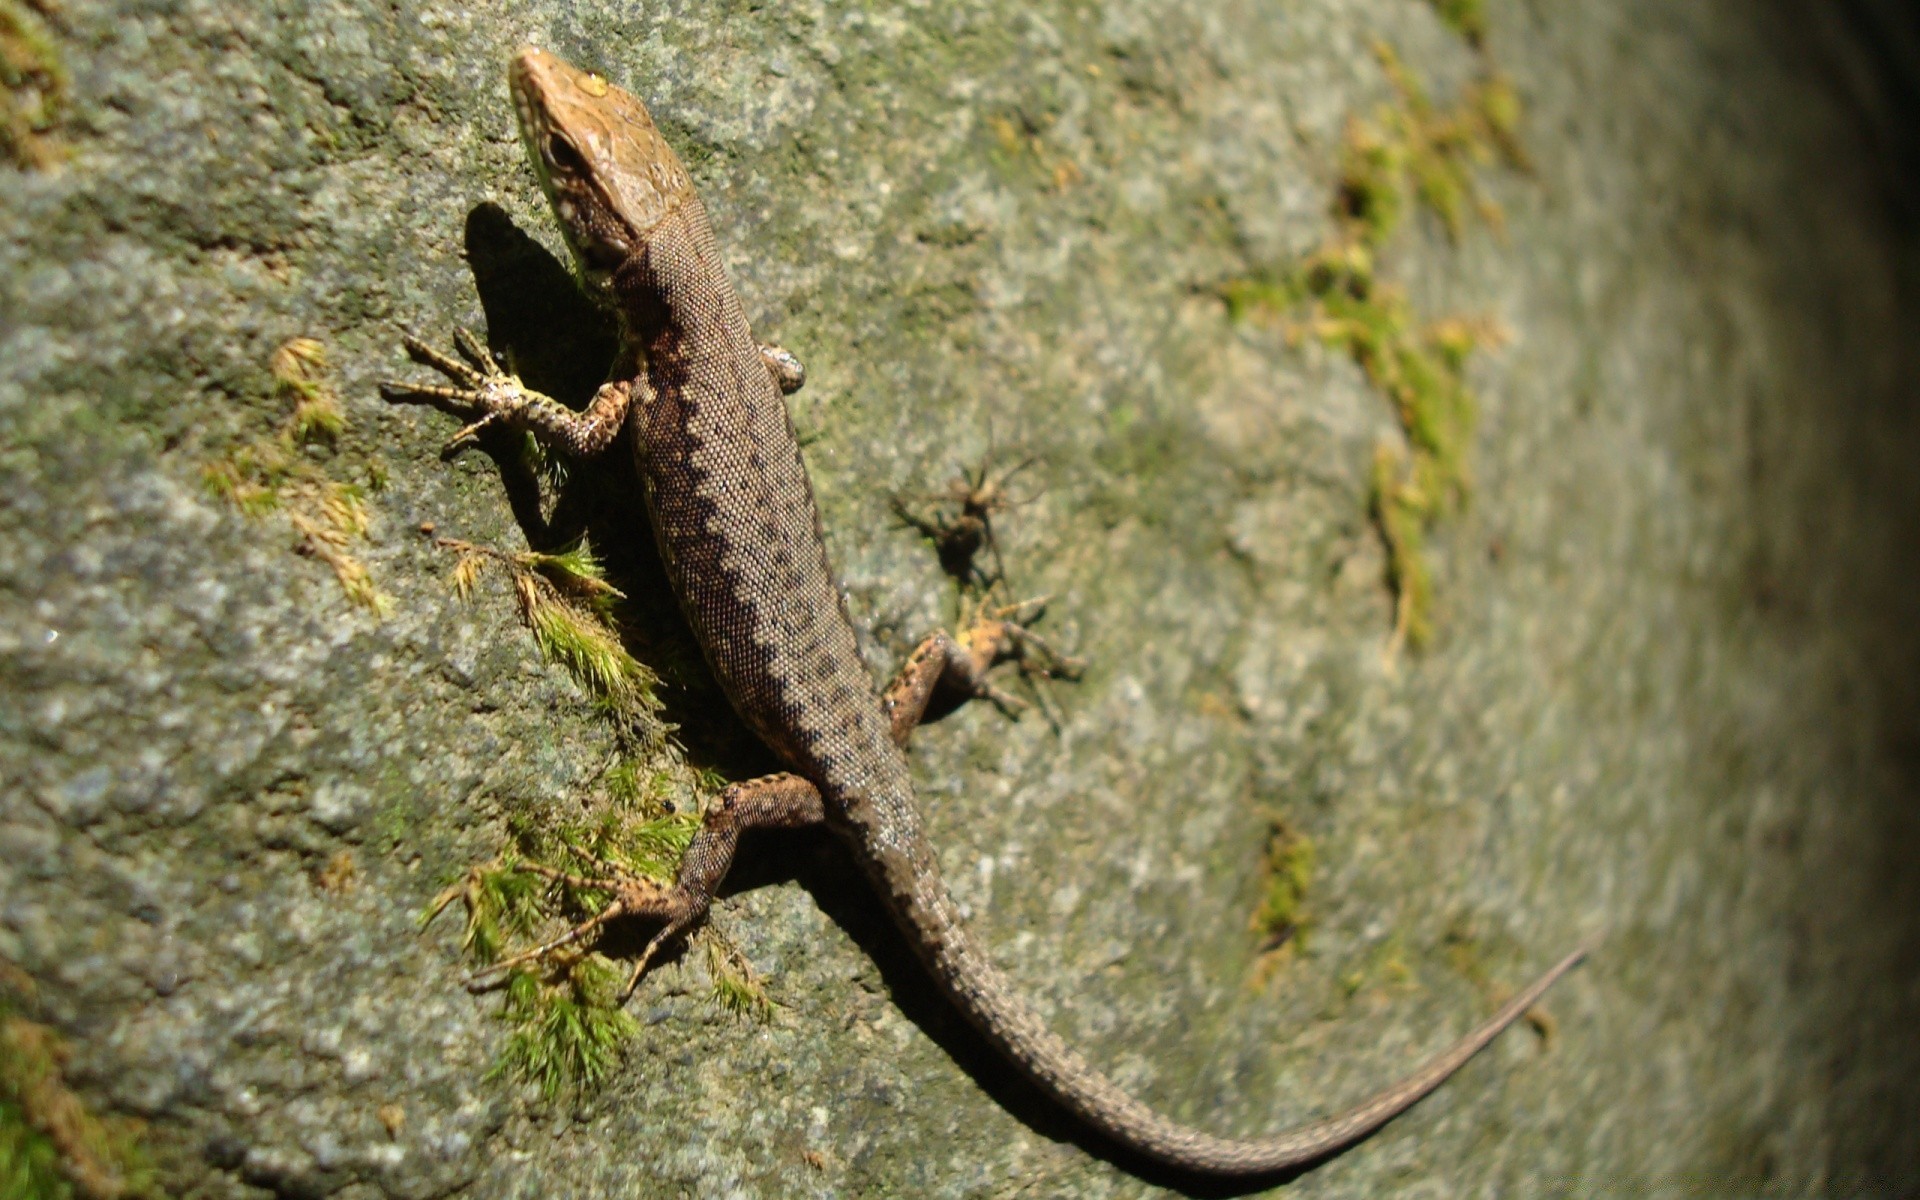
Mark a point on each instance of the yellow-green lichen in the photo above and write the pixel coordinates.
(1407, 155)
(34, 87)
(1282, 920)
(277, 473)
(1468, 18)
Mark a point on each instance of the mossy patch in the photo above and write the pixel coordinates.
(34, 87)
(283, 472)
(736, 986)
(1282, 920)
(52, 1146)
(1408, 155)
(1468, 18)
(568, 1025)
(565, 1004)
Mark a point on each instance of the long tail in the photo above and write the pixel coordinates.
(996, 1008)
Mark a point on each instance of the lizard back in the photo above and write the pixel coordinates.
(736, 520)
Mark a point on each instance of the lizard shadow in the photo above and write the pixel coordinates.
(820, 864)
(559, 342)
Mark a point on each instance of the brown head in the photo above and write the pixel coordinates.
(606, 170)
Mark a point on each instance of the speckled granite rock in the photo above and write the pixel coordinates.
(1673, 695)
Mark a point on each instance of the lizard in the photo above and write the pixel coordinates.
(701, 405)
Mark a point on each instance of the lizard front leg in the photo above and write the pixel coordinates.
(489, 395)
(789, 373)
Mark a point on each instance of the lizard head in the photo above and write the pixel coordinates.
(606, 170)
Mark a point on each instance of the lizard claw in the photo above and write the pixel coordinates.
(483, 388)
(468, 435)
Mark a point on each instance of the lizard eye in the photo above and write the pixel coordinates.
(560, 153)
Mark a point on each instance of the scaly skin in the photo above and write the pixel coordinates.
(733, 512)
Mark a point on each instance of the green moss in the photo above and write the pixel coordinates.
(299, 373)
(565, 1006)
(1255, 295)
(29, 1164)
(647, 846)
(567, 1027)
(1468, 18)
(565, 599)
(34, 89)
(501, 900)
(628, 783)
(1407, 156)
(1372, 195)
(736, 987)
(1401, 511)
(51, 1145)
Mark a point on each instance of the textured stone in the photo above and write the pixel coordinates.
(1673, 696)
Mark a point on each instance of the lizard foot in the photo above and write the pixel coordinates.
(632, 896)
(1005, 634)
(789, 373)
(487, 394)
(483, 387)
(961, 665)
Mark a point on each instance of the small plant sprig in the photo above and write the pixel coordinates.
(1468, 18)
(565, 1003)
(52, 1146)
(736, 986)
(501, 901)
(565, 599)
(35, 87)
(1282, 917)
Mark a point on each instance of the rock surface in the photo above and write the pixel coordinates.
(1672, 698)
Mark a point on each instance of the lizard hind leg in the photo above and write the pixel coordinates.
(770, 802)
(780, 801)
(962, 665)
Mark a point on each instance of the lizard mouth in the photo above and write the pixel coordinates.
(533, 74)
